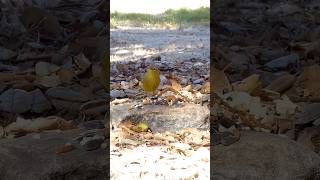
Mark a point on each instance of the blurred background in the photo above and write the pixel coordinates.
(154, 6)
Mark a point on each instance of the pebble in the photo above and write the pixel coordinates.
(93, 124)
(282, 62)
(66, 94)
(227, 138)
(15, 101)
(39, 102)
(198, 81)
(163, 80)
(117, 93)
(6, 54)
(92, 143)
(94, 107)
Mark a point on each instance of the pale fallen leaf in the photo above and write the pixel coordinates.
(251, 84)
(220, 82)
(309, 80)
(284, 106)
(65, 148)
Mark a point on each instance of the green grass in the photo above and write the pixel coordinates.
(171, 18)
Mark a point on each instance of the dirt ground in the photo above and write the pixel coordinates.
(176, 50)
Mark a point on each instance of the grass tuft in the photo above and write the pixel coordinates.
(180, 18)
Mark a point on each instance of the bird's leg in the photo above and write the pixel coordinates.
(154, 95)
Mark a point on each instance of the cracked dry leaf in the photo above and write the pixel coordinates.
(220, 82)
(284, 106)
(257, 109)
(39, 124)
(175, 85)
(251, 84)
(309, 80)
(205, 88)
(64, 149)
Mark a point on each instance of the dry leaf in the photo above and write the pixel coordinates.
(64, 149)
(284, 107)
(205, 88)
(282, 83)
(65, 75)
(39, 124)
(309, 80)
(220, 82)
(82, 62)
(251, 84)
(175, 85)
(48, 81)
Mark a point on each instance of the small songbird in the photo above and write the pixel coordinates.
(151, 80)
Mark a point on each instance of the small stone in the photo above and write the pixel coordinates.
(82, 61)
(93, 124)
(6, 54)
(66, 94)
(117, 93)
(66, 105)
(39, 102)
(15, 101)
(316, 122)
(92, 143)
(104, 145)
(97, 106)
(163, 80)
(228, 138)
(198, 81)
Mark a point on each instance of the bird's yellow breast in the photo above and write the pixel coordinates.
(151, 80)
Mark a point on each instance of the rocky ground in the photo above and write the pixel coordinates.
(264, 78)
(178, 146)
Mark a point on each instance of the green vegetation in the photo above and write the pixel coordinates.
(171, 18)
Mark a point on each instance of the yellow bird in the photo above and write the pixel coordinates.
(151, 80)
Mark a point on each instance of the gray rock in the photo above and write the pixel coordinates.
(311, 112)
(283, 62)
(6, 54)
(198, 81)
(262, 156)
(66, 94)
(117, 93)
(94, 107)
(163, 118)
(66, 105)
(33, 159)
(39, 102)
(15, 101)
(92, 143)
(316, 122)
(93, 124)
(91, 139)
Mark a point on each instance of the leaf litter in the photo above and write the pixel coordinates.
(267, 52)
